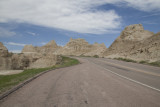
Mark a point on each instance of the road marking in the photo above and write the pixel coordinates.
(151, 73)
(128, 78)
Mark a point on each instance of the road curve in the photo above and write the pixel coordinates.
(91, 84)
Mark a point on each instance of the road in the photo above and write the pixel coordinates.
(96, 82)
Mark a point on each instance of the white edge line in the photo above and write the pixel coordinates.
(129, 79)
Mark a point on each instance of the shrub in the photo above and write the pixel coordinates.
(143, 62)
(157, 63)
(96, 56)
(124, 59)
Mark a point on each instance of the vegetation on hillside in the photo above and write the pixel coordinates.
(156, 63)
(125, 59)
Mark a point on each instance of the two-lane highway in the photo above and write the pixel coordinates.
(97, 82)
(142, 74)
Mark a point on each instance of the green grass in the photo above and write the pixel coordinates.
(143, 62)
(84, 55)
(124, 59)
(96, 56)
(157, 63)
(8, 81)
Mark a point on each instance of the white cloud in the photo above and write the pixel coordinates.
(6, 32)
(15, 44)
(149, 23)
(155, 14)
(60, 45)
(144, 5)
(73, 15)
(32, 33)
(15, 51)
(43, 43)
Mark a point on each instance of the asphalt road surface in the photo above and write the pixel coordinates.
(97, 82)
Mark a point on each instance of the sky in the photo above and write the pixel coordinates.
(37, 22)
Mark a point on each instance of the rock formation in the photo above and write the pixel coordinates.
(147, 50)
(135, 43)
(79, 47)
(5, 58)
(41, 56)
(3, 50)
(48, 48)
(29, 49)
(97, 49)
(33, 57)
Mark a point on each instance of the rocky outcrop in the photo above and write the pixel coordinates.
(80, 47)
(48, 48)
(41, 57)
(134, 32)
(3, 50)
(5, 60)
(135, 43)
(147, 50)
(19, 62)
(97, 49)
(39, 60)
(33, 57)
(29, 49)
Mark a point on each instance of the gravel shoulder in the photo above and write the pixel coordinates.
(10, 72)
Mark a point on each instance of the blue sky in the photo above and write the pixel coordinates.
(37, 22)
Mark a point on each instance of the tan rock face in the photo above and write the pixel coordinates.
(38, 60)
(19, 61)
(135, 33)
(5, 61)
(29, 49)
(41, 57)
(148, 50)
(97, 49)
(48, 48)
(79, 47)
(33, 57)
(135, 43)
(3, 50)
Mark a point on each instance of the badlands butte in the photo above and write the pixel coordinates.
(133, 43)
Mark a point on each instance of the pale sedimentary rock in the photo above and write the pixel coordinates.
(33, 57)
(135, 43)
(80, 47)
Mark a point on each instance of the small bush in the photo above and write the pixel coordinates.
(82, 55)
(143, 62)
(124, 59)
(157, 63)
(96, 56)
(10, 54)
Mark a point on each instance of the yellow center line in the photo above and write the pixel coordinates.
(129, 68)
